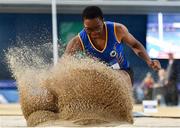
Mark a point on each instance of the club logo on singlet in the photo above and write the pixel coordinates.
(113, 53)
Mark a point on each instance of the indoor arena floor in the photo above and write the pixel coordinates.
(167, 117)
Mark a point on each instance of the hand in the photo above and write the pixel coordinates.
(155, 65)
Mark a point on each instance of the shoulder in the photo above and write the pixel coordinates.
(74, 45)
(74, 41)
(121, 31)
(120, 28)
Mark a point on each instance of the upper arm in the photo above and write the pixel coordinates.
(124, 35)
(128, 38)
(74, 46)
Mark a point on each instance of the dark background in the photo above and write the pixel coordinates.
(33, 29)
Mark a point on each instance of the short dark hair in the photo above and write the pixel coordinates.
(92, 12)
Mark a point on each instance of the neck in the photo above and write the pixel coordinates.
(102, 34)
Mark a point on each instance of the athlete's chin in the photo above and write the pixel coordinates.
(95, 36)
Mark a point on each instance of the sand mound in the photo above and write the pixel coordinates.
(79, 90)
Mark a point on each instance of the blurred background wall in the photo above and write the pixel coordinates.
(33, 29)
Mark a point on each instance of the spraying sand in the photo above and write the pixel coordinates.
(77, 90)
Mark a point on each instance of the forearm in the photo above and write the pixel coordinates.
(141, 52)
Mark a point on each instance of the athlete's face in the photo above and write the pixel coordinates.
(94, 27)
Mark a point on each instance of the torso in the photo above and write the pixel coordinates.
(102, 48)
(99, 43)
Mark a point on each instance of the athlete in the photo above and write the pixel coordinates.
(103, 40)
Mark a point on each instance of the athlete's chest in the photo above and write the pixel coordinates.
(99, 44)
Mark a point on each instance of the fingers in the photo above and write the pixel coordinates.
(156, 66)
